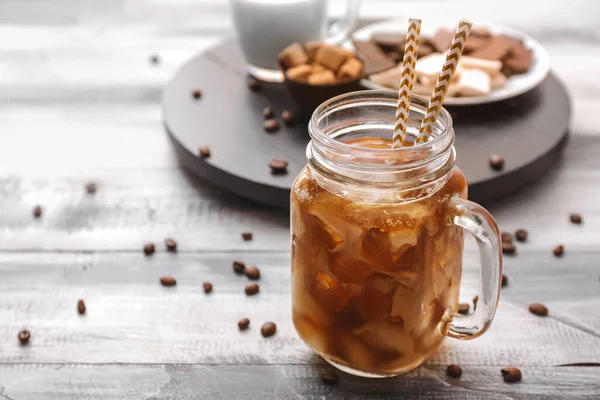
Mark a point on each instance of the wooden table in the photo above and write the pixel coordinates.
(79, 102)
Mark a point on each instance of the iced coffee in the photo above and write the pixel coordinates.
(372, 281)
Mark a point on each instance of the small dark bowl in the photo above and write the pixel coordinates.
(310, 97)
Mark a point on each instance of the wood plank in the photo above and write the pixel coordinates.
(281, 382)
(132, 319)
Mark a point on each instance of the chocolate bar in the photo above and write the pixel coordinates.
(519, 60)
(497, 48)
(390, 41)
(373, 58)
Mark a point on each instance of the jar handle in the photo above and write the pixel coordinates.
(340, 30)
(479, 222)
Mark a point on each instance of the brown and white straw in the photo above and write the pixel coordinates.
(443, 82)
(407, 81)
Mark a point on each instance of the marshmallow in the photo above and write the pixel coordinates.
(474, 82)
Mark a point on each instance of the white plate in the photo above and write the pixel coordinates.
(516, 85)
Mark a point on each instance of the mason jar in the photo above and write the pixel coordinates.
(377, 239)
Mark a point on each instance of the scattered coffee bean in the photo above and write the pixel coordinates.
(496, 162)
(239, 267)
(253, 84)
(511, 374)
(559, 251)
(247, 236)
(252, 289)
(576, 218)
(81, 307)
(171, 245)
(521, 235)
(37, 211)
(24, 336)
(268, 329)
(538, 309)
(268, 112)
(504, 280)
(287, 116)
(506, 237)
(90, 188)
(252, 273)
(278, 167)
(168, 281)
(454, 371)
(271, 125)
(149, 249)
(204, 151)
(329, 377)
(154, 59)
(508, 248)
(207, 287)
(196, 94)
(463, 308)
(243, 324)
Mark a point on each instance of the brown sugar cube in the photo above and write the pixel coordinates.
(312, 48)
(331, 57)
(293, 55)
(325, 77)
(352, 69)
(519, 60)
(299, 73)
(316, 67)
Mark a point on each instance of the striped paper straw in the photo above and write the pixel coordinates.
(411, 49)
(443, 81)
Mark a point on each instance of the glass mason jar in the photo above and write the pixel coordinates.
(377, 239)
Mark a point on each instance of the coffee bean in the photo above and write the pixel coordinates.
(252, 273)
(154, 59)
(508, 248)
(247, 236)
(288, 116)
(168, 281)
(576, 219)
(24, 336)
(90, 188)
(37, 211)
(204, 151)
(538, 309)
(149, 249)
(253, 84)
(81, 307)
(196, 94)
(268, 112)
(268, 329)
(504, 280)
(278, 167)
(271, 125)
(239, 267)
(454, 371)
(506, 237)
(496, 162)
(521, 235)
(329, 377)
(207, 287)
(463, 308)
(171, 245)
(243, 324)
(559, 250)
(511, 374)
(252, 289)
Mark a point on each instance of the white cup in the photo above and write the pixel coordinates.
(265, 27)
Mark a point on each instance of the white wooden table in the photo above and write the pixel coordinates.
(79, 102)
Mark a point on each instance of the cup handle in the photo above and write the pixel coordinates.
(476, 220)
(339, 31)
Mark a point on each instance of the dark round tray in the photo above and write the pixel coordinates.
(530, 131)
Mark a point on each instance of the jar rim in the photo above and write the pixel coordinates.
(441, 139)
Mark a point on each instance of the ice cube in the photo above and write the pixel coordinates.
(311, 333)
(329, 293)
(386, 338)
(355, 352)
(349, 269)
